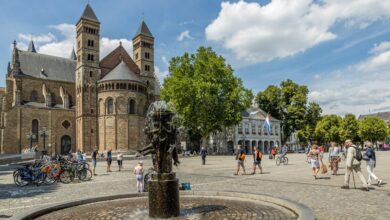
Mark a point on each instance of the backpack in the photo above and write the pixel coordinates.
(259, 156)
(359, 155)
(369, 153)
(242, 156)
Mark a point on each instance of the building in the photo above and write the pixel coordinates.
(251, 131)
(82, 102)
(385, 116)
(292, 142)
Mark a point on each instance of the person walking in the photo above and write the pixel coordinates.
(257, 156)
(240, 157)
(370, 158)
(273, 152)
(94, 161)
(314, 157)
(353, 164)
(119, 160)
(139, 175)
(109, 160)
(203, 154)
(334, 158)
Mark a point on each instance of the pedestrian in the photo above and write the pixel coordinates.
(203, 154)
(240, 157)
(334, 157)
(273, 152)
(79, 155)
(139, 175)
(353, 163)
(109, 160)
(370, 158)
(119, 160)
(94, 161)
(147, 177)
(314, 157)
(257, 156)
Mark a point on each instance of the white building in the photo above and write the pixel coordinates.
(293, 142)
(248, 133)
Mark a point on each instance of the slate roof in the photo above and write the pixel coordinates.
(114, 58)
(144, 30)
(31, 47)
(89, 14)
(73, 55)
(121, 72)
(54, 68)
(383, 115)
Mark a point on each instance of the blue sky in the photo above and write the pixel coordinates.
(339, 48)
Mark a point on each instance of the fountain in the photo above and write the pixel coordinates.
(163, 186)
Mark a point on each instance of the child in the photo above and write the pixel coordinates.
(119, 159)
(139, 175)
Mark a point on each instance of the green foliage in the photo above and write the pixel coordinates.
(327, 129)
(349, 128)
(204, 92)
(373, 129)
(286, 103)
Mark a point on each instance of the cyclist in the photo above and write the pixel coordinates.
(283, 151)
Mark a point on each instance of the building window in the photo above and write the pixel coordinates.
(147, 55)
(66, 124)
(253, 128)
(147, 68)
(34, 96)
(90, 43)
(246, 128)
(259, 129)
(276, 130)
(90, 57)
(110, 106)
(34, 129)
(131, 106)
(91, 110)
(91, 131)
(136, 56)
(90, 73)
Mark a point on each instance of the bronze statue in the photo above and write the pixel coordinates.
(161, 133)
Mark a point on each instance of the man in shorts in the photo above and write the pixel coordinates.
(257, 155)
(240, 157)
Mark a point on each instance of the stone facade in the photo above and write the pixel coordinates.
(251, 131)
(84, 102)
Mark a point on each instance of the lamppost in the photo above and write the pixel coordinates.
(44, 133)
(243, 143)
(31, 136)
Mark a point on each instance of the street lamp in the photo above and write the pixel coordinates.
(44, 133)
(31, 136)
(243, 137)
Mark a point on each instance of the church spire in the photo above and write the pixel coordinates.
(15, 60)
(73, 54)
(31, 47)
(89, 14)
(143, 30)
(9, 69)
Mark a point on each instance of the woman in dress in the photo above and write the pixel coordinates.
(313, 155)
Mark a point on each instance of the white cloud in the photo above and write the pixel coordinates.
(161, 74)
(317, 76)
(49, 43)
(184, 35)
(282, 28)
(358, 88)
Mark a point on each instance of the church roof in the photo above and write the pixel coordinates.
(31, 47)
(73, 55)
(89, 14)
(47, 67)
(383, 115)
(114, 58)
(144, 30)
(121, 72)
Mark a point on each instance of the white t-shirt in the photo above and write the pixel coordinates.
(119, 156)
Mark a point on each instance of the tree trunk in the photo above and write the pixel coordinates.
(204, 142)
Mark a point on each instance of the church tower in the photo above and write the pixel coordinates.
(143, 54)
(87, 75)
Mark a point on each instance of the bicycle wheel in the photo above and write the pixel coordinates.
(66, 177)
(285, 162)
(85, 174)
(278, 161)
(18, 179)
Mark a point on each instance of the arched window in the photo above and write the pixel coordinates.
(110, 106)
(34, 96)
(131, 106)
(34, 129)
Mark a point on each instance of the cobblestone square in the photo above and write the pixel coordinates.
(293, 182)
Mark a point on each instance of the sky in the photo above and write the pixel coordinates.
(340, 49)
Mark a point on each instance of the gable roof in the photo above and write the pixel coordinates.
(54, 68)
(383, 115)
(144, 30)
(109, 62)
(121, 72)
(89, 14)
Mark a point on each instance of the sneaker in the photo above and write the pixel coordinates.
(379, 182)
(253, 173)
(235, 174)
(345, 187)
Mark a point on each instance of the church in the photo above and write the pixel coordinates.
(82, 102)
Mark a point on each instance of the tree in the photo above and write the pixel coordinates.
(349, 128)
(327, 129)
(204, 92)
(372, 129)
(286, 103)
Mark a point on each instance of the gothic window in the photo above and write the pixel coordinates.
(34, 129)
(66, 124)
(110, 106)
(34, 96)
(131, 106)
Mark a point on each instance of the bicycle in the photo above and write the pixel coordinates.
(280, 160)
